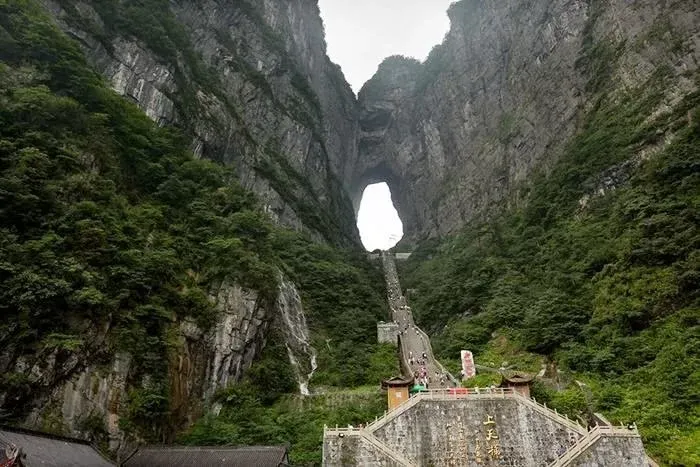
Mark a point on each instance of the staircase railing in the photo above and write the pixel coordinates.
(475, 393)
(551, 414)
(371, 439)
(390, 453)
(592, 437)
(390, 415)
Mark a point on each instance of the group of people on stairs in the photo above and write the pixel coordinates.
(415, 345)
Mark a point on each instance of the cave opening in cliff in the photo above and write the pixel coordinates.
(377, 219)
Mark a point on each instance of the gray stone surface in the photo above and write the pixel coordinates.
(436, 432)
(77, 390)
(614, 451)
(485, 428)
(387, 333)
(355, 450)
(277, 95)
(457, 136)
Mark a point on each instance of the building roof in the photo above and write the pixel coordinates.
(182, 456)
(516, 378)
(45, 450)
(397, 381)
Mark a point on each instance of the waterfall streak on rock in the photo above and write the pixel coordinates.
(302, 355)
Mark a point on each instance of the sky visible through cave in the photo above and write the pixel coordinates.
(360, 34)
(377, 219)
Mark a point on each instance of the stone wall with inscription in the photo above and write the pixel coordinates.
(445, 428)
(471, 432)
(613, 450)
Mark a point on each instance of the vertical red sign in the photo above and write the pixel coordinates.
(468, 369)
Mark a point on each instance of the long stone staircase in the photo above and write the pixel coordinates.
(471, 427)
(577, 453)
(412, 339)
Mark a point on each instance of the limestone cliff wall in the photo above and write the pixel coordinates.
(502, 96)
(81, 395)
(253, 88)
(250, 83)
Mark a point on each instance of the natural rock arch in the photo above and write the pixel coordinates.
(383, 173)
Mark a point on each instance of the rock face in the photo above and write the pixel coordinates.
(250, 83)
(253, 88)
(454, 137)
(82, 395)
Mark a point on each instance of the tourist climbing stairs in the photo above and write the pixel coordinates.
(414, 343)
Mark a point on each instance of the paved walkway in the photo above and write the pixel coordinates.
(415, 344)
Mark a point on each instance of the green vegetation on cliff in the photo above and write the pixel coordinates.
(111, 233)
(599, 269)
(154, 26)
(255, 413)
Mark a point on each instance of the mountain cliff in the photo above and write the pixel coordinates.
(457, 136)
(171, 191)
(178, 189)
(249, 82)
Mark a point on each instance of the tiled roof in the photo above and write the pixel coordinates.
(254, 456)
(41, 449)
(397, 381)
(515, 377)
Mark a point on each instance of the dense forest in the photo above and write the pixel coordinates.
(597, 269)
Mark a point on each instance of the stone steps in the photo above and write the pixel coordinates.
(386, 450)
(586, 442)
(401, 313)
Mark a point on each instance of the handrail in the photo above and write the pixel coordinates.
(551, 414)
(344, 430)
(450, 394)
(585, 442)
(390, 415)
(371, 439)
(393, 455)
(577, 448)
